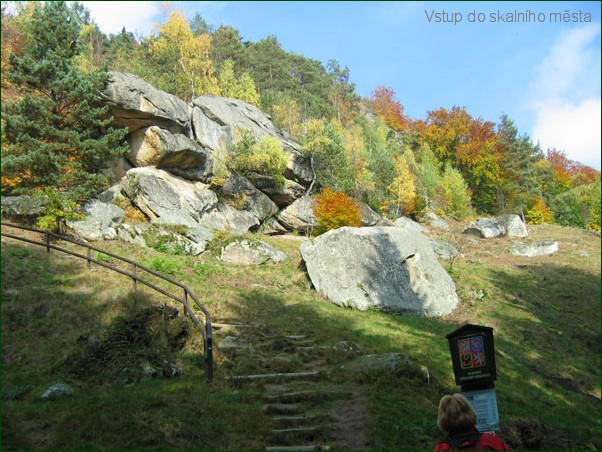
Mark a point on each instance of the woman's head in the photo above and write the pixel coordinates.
(455, 414)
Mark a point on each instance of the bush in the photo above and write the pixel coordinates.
(336, 209)
(265, 157)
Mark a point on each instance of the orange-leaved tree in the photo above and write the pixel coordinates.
(385, 106)
(334, 209)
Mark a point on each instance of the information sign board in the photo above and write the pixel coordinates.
(484, 404)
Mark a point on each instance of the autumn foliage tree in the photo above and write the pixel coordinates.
(334, 209)
(403, 188)
(384, 104)
(469, 145)
(188, 57)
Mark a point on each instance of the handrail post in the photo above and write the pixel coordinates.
(48, 242)
(134, 277)
(185, 302)
(209, 352)
(89, 256)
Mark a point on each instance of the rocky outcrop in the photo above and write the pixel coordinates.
(136, 104)
(168, 199)
(369, 217)
(391, 364)
(380, 268)
(299, 216)
(251, 252)
(167, 134)
(23, 207)
(435, 221)
(282, 195)
(543, 248)
(176, 153)
(101, 222)
(216, 119)
(243, 193)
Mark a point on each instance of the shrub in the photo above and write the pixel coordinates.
(538, 212)
(336, 209)
(164, 265)
(579, 207)
(59, 210)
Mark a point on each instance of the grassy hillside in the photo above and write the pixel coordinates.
(63, 322)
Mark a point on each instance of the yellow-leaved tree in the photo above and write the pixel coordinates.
(402, 190)
(242, 88)
(188, 56)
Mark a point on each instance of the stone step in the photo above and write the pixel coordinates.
(301, 396)
(297, 435)
(284, 409)
(277, 376)
(307, 447)
(301, 420)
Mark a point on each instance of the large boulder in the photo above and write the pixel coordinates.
(136, 104)
(216, 119)
(380, 268)
(409, 224)
(485, 228)
(504, 225)
(176, 153)
(513, 225)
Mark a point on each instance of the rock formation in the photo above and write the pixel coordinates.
(169, 172)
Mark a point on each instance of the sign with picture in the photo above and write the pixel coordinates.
(473, 354)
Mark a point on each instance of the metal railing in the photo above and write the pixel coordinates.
(206, 330)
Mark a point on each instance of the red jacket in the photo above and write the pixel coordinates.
(472, 440)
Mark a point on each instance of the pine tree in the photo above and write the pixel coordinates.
(57, 135)
(519, 163)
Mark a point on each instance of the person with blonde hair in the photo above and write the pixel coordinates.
(458, 420)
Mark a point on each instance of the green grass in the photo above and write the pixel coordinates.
(545, 313)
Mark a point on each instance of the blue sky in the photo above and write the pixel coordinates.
(544, 73)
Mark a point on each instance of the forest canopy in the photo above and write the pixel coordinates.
(56, 135)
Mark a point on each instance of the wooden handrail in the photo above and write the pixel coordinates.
(206, 331)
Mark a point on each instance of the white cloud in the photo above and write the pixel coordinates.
(137, 17)
(566, 96)
(575, 129)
